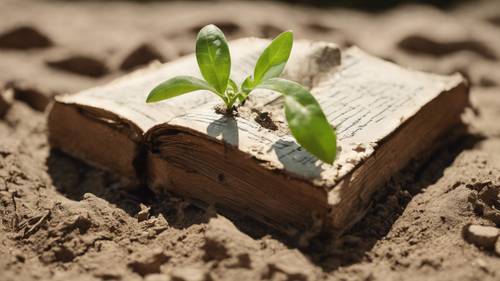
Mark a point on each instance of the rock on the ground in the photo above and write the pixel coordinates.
(292, 264)
(223, 240)
(143, 214)
(189, 274)
(149, 264)
(157, 277)
(482, 236)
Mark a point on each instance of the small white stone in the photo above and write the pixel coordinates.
(189, 274)
(157, 277)
(482, 236)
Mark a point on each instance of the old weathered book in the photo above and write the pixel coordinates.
(384, 115)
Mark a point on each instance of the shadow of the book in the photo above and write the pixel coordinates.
(74, 179)
(388, 205)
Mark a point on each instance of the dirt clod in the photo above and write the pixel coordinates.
(143, 213)
(264, 119)
(149, 264)
(80, 64)
(291, 264)
(157, 277)
(189, 274)
(142, 55)
(482, 236)
(486, 201)
(24, 37)
(223, 110)
(30, 94)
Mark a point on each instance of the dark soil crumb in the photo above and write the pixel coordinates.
(270, 30)
(34, 97)
(424, 45)
(142, 55)
(80, 64)
(24, 37)
(223, 110)
(264, 119)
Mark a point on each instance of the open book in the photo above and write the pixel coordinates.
(384, 116)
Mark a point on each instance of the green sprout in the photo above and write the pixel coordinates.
(306, 120)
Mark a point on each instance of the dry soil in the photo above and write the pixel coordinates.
(64, 220)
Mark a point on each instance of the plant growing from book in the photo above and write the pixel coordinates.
(305, 118)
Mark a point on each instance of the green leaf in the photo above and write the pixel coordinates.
(306, 120)
(214, 60)
(242, 97)
(247, 85)
(273, 60)
(177, 86)
(233, 85)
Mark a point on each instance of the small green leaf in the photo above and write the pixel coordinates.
(177, 86)
(233, 85)
(242, 97)
(212, 54)
(273, 60)
(247, 85)
(306, 120)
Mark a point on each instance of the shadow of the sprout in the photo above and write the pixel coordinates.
(296, 159)
(227, 128)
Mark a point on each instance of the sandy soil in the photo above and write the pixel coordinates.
(63, 220)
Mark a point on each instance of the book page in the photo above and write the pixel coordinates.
(126, 97)
(366, 100)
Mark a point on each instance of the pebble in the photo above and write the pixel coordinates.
(292, 263)
(482, 236)
(149, 264)
(157, 277)
(189, 274)
(143, 213)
